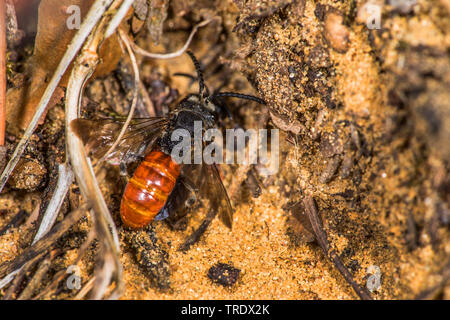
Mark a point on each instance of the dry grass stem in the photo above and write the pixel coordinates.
(321, 237)
(126, 41)
(171, 55)
(109, 269)
(9, 269)
(85, 290)
(36, 280)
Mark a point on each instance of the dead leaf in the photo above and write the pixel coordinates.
(53, 37)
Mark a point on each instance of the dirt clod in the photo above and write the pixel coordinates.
(224, 274)
(151, 257)
(29, 175)
(336, 32)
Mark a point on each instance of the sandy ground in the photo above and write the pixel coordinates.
(385, 205)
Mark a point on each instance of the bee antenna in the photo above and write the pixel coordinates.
(201, 82)
(238, 95)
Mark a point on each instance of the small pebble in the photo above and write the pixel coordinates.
(223, 274)
(29, 175)
(336, 32)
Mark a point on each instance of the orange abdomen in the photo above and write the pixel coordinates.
(148, 189)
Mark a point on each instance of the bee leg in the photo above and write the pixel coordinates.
(193, 191)
(124, 172)
(195, 236)
(129, 159)
(178, 205)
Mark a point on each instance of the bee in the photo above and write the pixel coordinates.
(160, 186)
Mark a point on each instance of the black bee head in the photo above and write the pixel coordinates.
(202, 107)
(205, 102)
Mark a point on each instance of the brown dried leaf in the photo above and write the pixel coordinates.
(53, 37)
(299, 226)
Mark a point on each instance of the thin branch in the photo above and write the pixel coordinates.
(171, 55)
(321, 237)
(118, 17)
(36, 280)
(9, 277)
(65, 175)
(62, 273)
(84, 173)
(103, 276)
(64, 181)
(15, 221)
(46, 292)
(148, 102)
(125, 39)
(13, 267)
(11, 292)
(83, 68)
(95, 13)
(85, 290)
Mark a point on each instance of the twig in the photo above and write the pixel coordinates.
(44, 243)
(15, 221)
(13, 267)
(83, 68)
(2, 71)
(36, 280)
(11, 292)
(148, 102)
(62, 273)
(85, 290)
(95, 13)
(52, 286)
(104, 275)
(64, 181)
(9, 277)
(171, 55)
(125, 39)
(321, 237)
(117, 19)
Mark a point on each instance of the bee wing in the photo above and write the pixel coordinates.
(212, 188)
(99, 135)
(176, 206)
